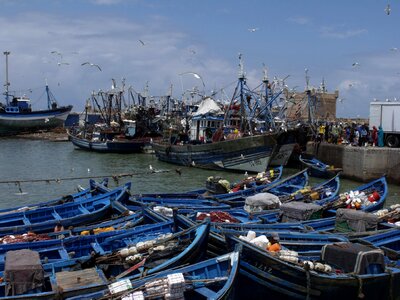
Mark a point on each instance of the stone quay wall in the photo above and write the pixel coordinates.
(360, 163)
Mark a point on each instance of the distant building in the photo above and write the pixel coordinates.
(318, 102)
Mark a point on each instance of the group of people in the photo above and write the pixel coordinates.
(350, 134)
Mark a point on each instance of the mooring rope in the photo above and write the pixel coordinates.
(58, 180)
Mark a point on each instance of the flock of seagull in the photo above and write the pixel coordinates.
(60, 63)
(393, 49)
(60, 55)
(142, 43)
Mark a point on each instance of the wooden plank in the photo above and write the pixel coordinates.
(72, 279)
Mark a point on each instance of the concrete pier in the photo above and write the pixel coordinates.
(360, 163)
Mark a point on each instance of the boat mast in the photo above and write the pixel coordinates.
(7, 84)
(48, 96)
(241, 84)
(265, 81)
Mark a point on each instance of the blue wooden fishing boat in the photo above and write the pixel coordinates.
(213, 278)
(114, 246)
(44, 219)
(376, 187)
(231, 216)
(267, 206)
(114, 250)
(257, 227)
(248, 186)
(304, 243)
(387, 240)
(183, 205)
(285, 186)
(94, 189)
(56, 250)
(317, 168)
(297, 280)
(320, 193)
(288, 185)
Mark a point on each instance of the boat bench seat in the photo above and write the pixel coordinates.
(56, 216)
(50, 252)
(15, 222)
(63, 254)
(26, 221)
(97, 248)
(206, 292)
(84, 210)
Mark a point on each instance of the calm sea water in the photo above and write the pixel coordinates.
(23, 161)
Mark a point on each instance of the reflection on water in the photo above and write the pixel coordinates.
(40, 160)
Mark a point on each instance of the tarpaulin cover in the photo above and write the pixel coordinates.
(261, 201)
(348, 220)
(23, 272)
(300, 211)
(353, 257)
(208, 106)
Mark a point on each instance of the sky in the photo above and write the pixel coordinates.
(353, 46)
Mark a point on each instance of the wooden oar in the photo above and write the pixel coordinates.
(131, 269)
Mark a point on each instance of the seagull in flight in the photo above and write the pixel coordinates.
(57, 53)
(252, 29)
(394, 49)
(355, 64)
(141, 42)
(90, 64)
(388, 9)
(62, 63)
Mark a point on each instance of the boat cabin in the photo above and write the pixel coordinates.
(206, 120)
(130, 128)
(203, 127)
(18, 105)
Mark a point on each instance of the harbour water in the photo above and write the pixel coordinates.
(26, 165)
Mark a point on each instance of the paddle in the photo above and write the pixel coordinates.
(131, 269)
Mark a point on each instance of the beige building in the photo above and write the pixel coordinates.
(323, 105)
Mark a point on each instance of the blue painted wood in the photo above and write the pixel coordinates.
(224, 267)
(43, 219)
(94, 189)
(295, 281)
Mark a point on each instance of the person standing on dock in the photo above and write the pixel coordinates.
(321, 131)
(380, 137)
(374, 136)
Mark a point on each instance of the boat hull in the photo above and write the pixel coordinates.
(29, 122)
(282, 155)
(115, 146)
(250, 154)
(295, 282)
